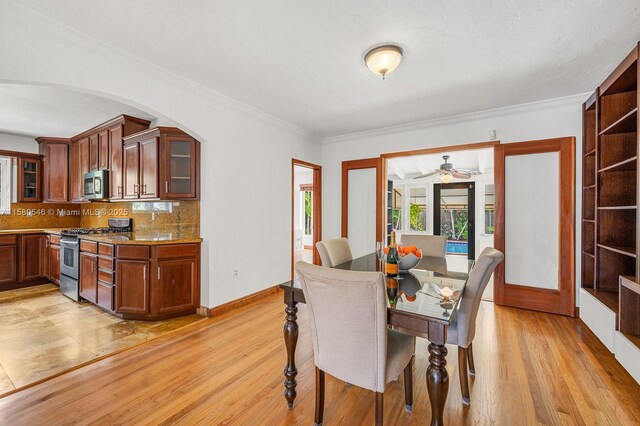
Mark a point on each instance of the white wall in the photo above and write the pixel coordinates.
(239, 144)
(9, 142)
(541, 120)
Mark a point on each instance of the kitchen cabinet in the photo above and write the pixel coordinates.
(176, 285)
(32, 257)
(55, 169)
(115, 172)
(161, 163)
(89, 277)
(100, 148)
(93, 151)
(54, 263)
(132, 286)
(104, 155)
(9, 263)
(29, 180)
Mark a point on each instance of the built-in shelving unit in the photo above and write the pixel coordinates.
(610, 207)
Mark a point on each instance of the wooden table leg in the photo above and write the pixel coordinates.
(290, 340)
(437, 382)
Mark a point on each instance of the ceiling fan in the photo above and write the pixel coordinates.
(447, 172)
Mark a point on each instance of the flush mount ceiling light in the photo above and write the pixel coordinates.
(383, 59)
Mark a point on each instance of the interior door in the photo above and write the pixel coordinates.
(362, 204)
(534, 225)
(454, 216)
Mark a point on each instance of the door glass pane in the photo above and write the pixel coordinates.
(418, 209)
(180, 179)
(454, 219)
(30, 179)
(489, 226)
(361, 213)
(531, 219)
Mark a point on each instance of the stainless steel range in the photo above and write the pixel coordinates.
(70, 253)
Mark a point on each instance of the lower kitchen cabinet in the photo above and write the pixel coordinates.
(89, 277)
(53, 253)
(176, 282)
(23, 260)
(32, 257)
(8, 266)
(132, 287)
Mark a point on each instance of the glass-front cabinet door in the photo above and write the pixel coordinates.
(29, 180)
(179, 180)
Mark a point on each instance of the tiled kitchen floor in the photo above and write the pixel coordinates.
(43, 333)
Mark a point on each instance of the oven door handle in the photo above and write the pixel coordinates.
(75, 243)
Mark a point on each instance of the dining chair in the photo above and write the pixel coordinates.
(463, 328)
(351, 341)
(334, 252)
(430, 245)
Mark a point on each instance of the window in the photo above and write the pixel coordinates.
(5, 185)
(488, 209)
(397, 208)
(418, 209)
(306, 199)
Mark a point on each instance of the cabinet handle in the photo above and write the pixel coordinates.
(58, 255)
(144, 189)
(144, 274)
(166, 187)
(119, 190)
(158, 272)
(92, 266)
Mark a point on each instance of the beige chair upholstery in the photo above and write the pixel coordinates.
(334, 252)
(430, 245)
(348, 317)
(463, 329)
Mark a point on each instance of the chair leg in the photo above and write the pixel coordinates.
(462, 371)
(379, 408)
(319, 396)
(408, 386)
(472, 368)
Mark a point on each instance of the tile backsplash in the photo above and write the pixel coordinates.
(182, 217)
(41, 215)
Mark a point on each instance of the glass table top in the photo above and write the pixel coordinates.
(417, 291)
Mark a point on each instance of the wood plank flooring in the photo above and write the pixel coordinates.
(532, 368)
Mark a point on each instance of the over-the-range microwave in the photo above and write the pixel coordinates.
(96, 185)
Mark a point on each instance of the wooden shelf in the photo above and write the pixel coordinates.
(589, 254)
(589, 187)
(590, 153)
(627, 251)
(609, 298)
(627, 165)
(626, 124)
(589, 220)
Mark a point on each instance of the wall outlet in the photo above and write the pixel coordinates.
(493, 135)
(235, 273)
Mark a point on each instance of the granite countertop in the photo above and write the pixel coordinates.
(128, 238)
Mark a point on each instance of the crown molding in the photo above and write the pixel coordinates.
(58, 32)
(489, 113)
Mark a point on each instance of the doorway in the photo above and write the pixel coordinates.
(306, 208)
(454, 216)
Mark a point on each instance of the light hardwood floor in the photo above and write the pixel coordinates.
(532, 368)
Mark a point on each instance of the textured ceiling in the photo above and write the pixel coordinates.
(302, 61)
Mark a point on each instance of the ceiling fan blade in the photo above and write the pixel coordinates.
(460, 175)
(471, 172)
(428, 174)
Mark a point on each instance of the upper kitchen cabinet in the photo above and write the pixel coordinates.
(29, 179)
(101, 148)
(55, 169)
(161, 163)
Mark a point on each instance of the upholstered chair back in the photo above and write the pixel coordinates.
(334, 252)
(430, 245)
(348, 316)
(472, 295)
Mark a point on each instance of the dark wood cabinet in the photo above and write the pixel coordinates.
(162, 163)
(148, 187)
(29, 180)
(115, 172)
(32, 257)
(9, 263)
(131, 166)
(104, 155)
(176, 288)
(179, 171)
(83, 166)
(75, 179)
(89, 277)
(55, 169)
(94, 151)
(54, 263)
(132, 287)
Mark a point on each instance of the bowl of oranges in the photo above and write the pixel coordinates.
(409, 257)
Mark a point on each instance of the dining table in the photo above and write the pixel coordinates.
(414, 306)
